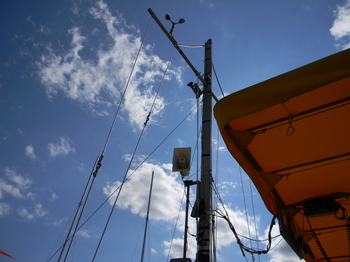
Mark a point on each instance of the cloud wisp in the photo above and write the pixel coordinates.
(17, 186)
(14, 184)
(97, 78)
(29, 152)
(60, 148)
(33, 212)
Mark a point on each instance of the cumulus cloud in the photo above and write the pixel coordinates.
(29, 152)
(62, 147)
(175, 248)
(97, 77)
(18, 186)
(167, 193)
(33, 212)
(167, 198)
(14, 184)
(341, 25)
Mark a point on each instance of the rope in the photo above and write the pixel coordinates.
(290, 129)
(347, 224)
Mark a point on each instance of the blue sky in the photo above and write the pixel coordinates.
(63, 68)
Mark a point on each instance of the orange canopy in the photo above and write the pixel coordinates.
(291, 136)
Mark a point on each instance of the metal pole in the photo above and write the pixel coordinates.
(146, 226)
(187, 183)
(205, 191)
(186, 221)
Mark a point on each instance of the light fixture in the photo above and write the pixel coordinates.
(181, 21)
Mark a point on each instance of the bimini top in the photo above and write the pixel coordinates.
(291, 135)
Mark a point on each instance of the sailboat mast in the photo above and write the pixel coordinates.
(204, 191)
(147, 218)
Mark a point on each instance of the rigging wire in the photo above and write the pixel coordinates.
(253, 208)
(177, 219)
(243, 248)
(98, 165)
(81, 212)
(137, 243)
(48, 257)
(78, 214)
(198, 129)
(149, 155)
(216, 199)
(132, 158)
(217, 79)
(245, 204)
(125, 89)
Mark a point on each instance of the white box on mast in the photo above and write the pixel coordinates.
(182, 160)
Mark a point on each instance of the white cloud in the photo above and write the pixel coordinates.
(175, 248)
(280, 250)
(4, 209)
(98, 80)
(58, 222)
(167, 196)
(38, 27)
(226, 187)
(29, 152)
(32, 213)
(13, 184)
(208, 4)
(341, 25)
(62, 147)
(167, 193)
(21, 181)
(53, 197)
(83, 233)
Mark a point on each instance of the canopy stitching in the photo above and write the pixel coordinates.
(314, 162)
(290, 129)
(317, 110)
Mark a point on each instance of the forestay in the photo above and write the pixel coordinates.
(291, 136)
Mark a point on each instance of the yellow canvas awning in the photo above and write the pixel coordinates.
(291, 136)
